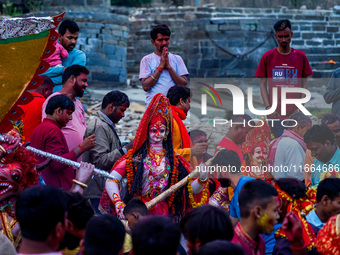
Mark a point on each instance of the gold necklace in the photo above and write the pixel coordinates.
(157, 157)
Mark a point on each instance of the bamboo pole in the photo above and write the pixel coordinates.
(65, 161)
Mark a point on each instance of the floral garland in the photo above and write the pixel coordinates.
(300, 207)
(174, 180)
(129, 169)
(191, 194)
(8, 208)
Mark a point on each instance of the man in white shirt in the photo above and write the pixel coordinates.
(161, 70)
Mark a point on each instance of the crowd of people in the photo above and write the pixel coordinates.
(266, 190)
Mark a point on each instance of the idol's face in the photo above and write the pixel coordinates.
(157, 132)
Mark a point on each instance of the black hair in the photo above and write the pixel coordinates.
(59, 101)
(221, 247)
(155, 235)
(115, 97)
(330, 119)
(176, 92)
(227, 158)
(136, 205)
(329, 187)
(38, 210)
(319, 134)
(69, 25)
(196, 133)
(206, 223)
(47, 81)
(79, 210)
(104, 235)
(160, 29)
(293, 187)
(282, 25)
(255, 191)
(300, 118)
(74, 70)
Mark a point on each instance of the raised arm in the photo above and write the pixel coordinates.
(112, 188)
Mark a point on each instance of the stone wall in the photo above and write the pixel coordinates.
(219, 42)
(103, 37)
(213, 42)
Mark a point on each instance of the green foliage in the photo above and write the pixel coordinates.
(131, 3)
(12, 8)
(8, 8)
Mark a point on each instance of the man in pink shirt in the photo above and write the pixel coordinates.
(74, 85)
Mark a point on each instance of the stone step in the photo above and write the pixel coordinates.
(324, 66)
(324, 50)
(321, 57)
(322, 73)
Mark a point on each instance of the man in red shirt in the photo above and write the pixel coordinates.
(282, 66)
(32, 111)
(49, 137)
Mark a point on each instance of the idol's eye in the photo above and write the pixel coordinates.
(16, 176)
(162, 130)
(153, 130)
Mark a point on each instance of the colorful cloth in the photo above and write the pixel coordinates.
(283, 71)
(32, 114)
(220, 198)
(300, 207)
(148, 66)
(48, 137)
(75, 129)
(328, 240)
(156, 173)
(180, 136)
(17, 27)
(8, 223)
(24, 43)
(250, 246)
